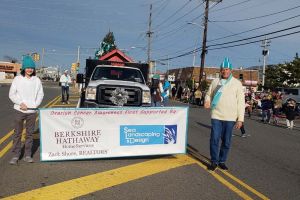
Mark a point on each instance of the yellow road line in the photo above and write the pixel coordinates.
(6, 136)
(64, 105)
(92, 183)
(224, 182)
(6, 149)
(245, 185)
(233, 178)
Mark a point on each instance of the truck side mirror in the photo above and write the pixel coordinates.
(79, 78)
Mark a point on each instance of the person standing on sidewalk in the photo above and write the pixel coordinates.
(226, 100)
(26, 92)
(65, 81)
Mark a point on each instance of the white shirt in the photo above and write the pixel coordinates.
(65, 80)
(28, 91)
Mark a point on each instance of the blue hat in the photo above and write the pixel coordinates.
(28, 62)
(226, 64)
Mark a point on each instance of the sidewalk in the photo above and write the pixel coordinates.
(6, 81)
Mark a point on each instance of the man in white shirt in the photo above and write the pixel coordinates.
(65, 81)
(26, 92)
(226, 99)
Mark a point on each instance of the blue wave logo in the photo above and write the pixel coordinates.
(170, 134)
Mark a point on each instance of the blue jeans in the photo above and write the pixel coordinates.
(266, 115)
(220, 130)
(166, 101)
(65, 93)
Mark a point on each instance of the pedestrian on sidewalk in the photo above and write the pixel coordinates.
(226, 99)
(26, 92)
(65, 81)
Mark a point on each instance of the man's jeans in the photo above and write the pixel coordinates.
(220, 130)
(65, 93)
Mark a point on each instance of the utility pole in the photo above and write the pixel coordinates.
(203, 52)
(78, 54)
(204, 38)
(265, 53)
(43, 52)
(149, 34)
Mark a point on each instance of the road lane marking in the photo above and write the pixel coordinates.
(196, 157)
(245, 185)
(6, 149)
(96, 182)
(6, 136)
(64, 105)
(225, 182)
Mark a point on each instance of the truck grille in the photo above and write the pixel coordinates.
(104, 93)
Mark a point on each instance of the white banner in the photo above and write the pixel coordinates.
(70, 134)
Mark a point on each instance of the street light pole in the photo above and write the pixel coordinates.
(195, 51)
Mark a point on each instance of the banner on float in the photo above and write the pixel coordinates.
(71, 134)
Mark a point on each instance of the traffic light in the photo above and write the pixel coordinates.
(75, 67)
(35, 56)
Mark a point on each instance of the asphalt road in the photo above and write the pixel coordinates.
(264, 165)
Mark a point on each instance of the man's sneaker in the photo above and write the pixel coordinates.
(68, 102)
(212, 167)
(28, 159)
(14, 161)
(223, 166)
(63, 103)
(244, 135)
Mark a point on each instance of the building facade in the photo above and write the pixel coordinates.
(248, 77)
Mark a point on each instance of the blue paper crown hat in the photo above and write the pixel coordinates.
(226, 64)
(28, 62)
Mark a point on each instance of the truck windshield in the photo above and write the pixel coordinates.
(121, 74)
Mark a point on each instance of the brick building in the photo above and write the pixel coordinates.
(249, 77)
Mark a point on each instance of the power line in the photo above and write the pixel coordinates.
(220, 44)
(161, 8)
(198, 49)
(236, 4)
(219, 9)
(279, 36)
(251, 18)
(178, 10)
(255, 28)
(181, 17)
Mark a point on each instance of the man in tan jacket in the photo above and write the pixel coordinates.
(226, 100)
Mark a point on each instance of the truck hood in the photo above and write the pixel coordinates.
(96, 83)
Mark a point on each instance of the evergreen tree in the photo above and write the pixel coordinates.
(107, 45)
(284, 75)
(274, 76)
(292, 71)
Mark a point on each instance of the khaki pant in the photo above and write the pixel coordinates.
(30, 125)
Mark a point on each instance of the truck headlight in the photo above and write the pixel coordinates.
(146, 97)
(90, 93)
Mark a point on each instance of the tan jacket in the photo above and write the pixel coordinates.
(231, 106)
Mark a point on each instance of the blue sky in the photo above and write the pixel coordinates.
(60, 26)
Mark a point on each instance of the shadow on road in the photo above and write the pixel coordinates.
(204, 125)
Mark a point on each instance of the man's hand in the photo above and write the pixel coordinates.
(238, 124)
(206, 104)
(23, 106)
